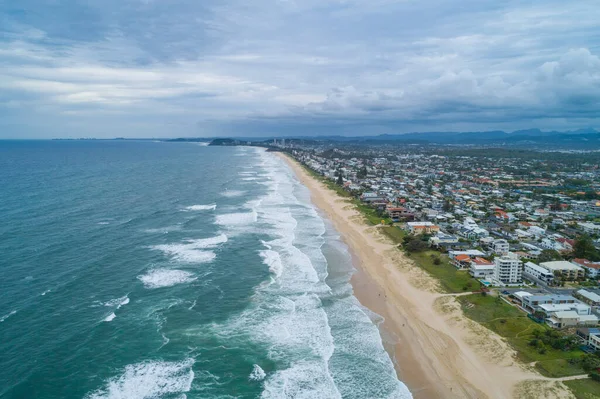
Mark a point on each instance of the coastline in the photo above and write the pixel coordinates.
(438, 352)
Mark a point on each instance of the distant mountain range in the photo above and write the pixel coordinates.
(497, 136)
(575, 139)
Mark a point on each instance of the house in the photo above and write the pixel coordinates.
(590, 337)
(508, 269)
(532, 270)
(567, 270)
(400, 213)
(471, 253)
(462, 261)
(417, 228)
(444, 240)
(532, 302)
(589, 297)
(551, 308)
(592, 268)
(590, 228)
(570, 319)
(481, 268)
(520, 295)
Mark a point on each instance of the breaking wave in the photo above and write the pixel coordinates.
(159, 278)
(146, 380)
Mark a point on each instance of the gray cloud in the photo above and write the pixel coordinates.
(154, 68)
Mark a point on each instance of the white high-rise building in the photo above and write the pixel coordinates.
(508, 269)
(500, 247)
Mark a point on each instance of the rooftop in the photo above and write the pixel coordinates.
(560, 265)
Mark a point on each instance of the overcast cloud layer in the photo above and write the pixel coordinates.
(170, 68)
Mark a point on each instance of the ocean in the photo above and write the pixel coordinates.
(140, 269)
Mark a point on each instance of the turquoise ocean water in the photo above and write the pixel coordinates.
(174, 270)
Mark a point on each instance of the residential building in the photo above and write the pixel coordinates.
(462, 259)
(481, 268)
(400, 213)
(589, 297)
(500, 247)
(592, 268)
(590, 228)
(532, 303)
(590, 337)
(567, 270)
(571, 319)
(530, 269)
(417, 228)
(508, 269)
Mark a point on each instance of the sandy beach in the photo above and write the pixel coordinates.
(439, 353)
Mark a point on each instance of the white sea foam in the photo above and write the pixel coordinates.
(45, 292)
(249, 178)
(117, 302)
(193, 251)
(233, 193)
(110, 317)
(158, 278)
(6, 316)
(273, 261)
(257, 374)
(236, 219)
(288, 319)
(103, 223)
(201, 207)
(152, 379)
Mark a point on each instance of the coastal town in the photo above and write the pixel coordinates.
(512, 227)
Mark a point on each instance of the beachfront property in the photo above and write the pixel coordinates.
(482, 268)
(571, 319)
(532, 270)
(462, 259)
(588, 297)
(559, 311)
(508, 270)
(532, 303)
(418, 228)
(590, 337)
(567, 270)
(399, 213)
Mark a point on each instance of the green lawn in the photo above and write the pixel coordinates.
(584, 389)
(559, 368)
(370, 214)
(514, 325)
(451, 279)
(395, 233)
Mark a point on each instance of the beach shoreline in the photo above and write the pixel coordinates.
(438, 352)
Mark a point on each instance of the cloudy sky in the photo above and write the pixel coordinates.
(165, 68)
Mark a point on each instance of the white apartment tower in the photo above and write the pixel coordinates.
(500, 247)
(508, 269)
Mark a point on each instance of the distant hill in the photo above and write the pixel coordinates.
(577, 139)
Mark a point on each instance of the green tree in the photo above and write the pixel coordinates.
(584, 248)
(549, 255)
(447, 207)
(416, 245)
